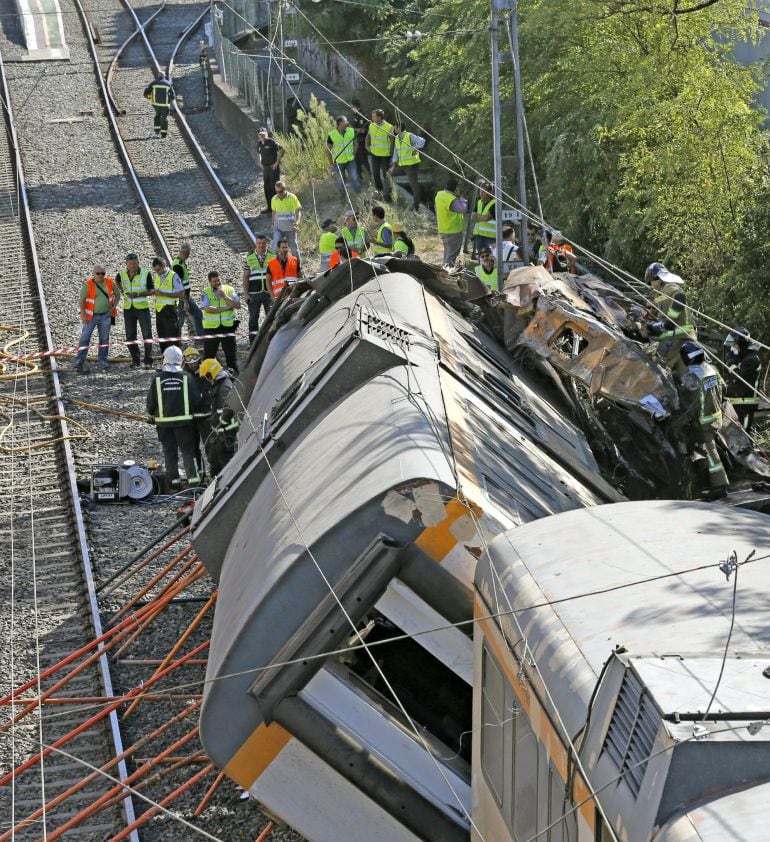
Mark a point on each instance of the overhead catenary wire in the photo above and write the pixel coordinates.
(420, 738)
(615, 270)
(549, 603)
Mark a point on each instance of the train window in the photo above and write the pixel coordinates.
(560, 808)
(435, 697)
(492, 718)
(525, 780)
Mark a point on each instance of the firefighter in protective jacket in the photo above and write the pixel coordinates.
(161, 95)
(702, 392)
(221, 443)
(172, 400)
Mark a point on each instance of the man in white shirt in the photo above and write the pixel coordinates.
(510, 248)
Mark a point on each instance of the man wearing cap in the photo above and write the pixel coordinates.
(326, 242)
(354, 235)
(270, 154)
(287, 216)
(137, 285)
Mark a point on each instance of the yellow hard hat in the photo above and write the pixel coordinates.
(192, 355)
(209, 369)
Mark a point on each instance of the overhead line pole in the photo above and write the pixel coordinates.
(496, 140)
(521, 152)
(508, 11)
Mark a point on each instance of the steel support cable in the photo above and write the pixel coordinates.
(433, 630)
(615, 270)
(420, 738)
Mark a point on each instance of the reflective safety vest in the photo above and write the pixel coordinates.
(488, 228)
(401, 247)
(88, 304)
(164, 284)
(172, 392)
(160, 94)
(406, 154)
(665, 303)
(343, 149)
(355, 239)
(379, 139)
(279, 276)
(285, 211)
(185, 275)
(379, 246)
(224, 319)
(489, 278)
(710, 395)
(448, 221)
(139, 283)
(258, 270)
(326, 247)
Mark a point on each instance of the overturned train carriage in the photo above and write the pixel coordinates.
(385, 441)
(620, 685)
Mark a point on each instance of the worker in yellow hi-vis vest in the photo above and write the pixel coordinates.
(379, 145)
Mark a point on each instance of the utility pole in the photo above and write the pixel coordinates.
(506, 11)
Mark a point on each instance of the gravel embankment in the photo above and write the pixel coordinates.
(84, 212)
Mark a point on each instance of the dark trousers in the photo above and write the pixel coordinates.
(257, 300)
(161, 120)
(362, 162)
(173, 440)
(210, 346)
(380, 165)
(142, 318)
(219, 451)
(412, 173)
(166, 325)
(201, 432)
(269, 178)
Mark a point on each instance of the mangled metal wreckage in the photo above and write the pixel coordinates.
(394, 420)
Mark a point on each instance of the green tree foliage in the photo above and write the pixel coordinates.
(305, 155)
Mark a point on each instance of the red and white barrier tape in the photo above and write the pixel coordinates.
(156, 340)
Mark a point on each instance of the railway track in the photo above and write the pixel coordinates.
(169, 218)
(48, 607)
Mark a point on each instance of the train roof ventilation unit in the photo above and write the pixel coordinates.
(632, 731)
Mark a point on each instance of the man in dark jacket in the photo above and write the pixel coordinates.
(222, 441)
(743, 381)
(172, 400)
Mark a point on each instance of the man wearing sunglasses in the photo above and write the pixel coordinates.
(98, 299)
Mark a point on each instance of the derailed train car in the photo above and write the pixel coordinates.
(386, 438)
(620, 691)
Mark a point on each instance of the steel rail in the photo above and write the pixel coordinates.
(64, 446)
(149, 217)
(116, 58)
(224, 196)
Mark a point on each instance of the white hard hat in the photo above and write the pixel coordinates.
(172, 355)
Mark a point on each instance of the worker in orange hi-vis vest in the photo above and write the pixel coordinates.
(283, 269)
(98, 307)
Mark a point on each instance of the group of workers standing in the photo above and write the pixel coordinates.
(187, 397)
